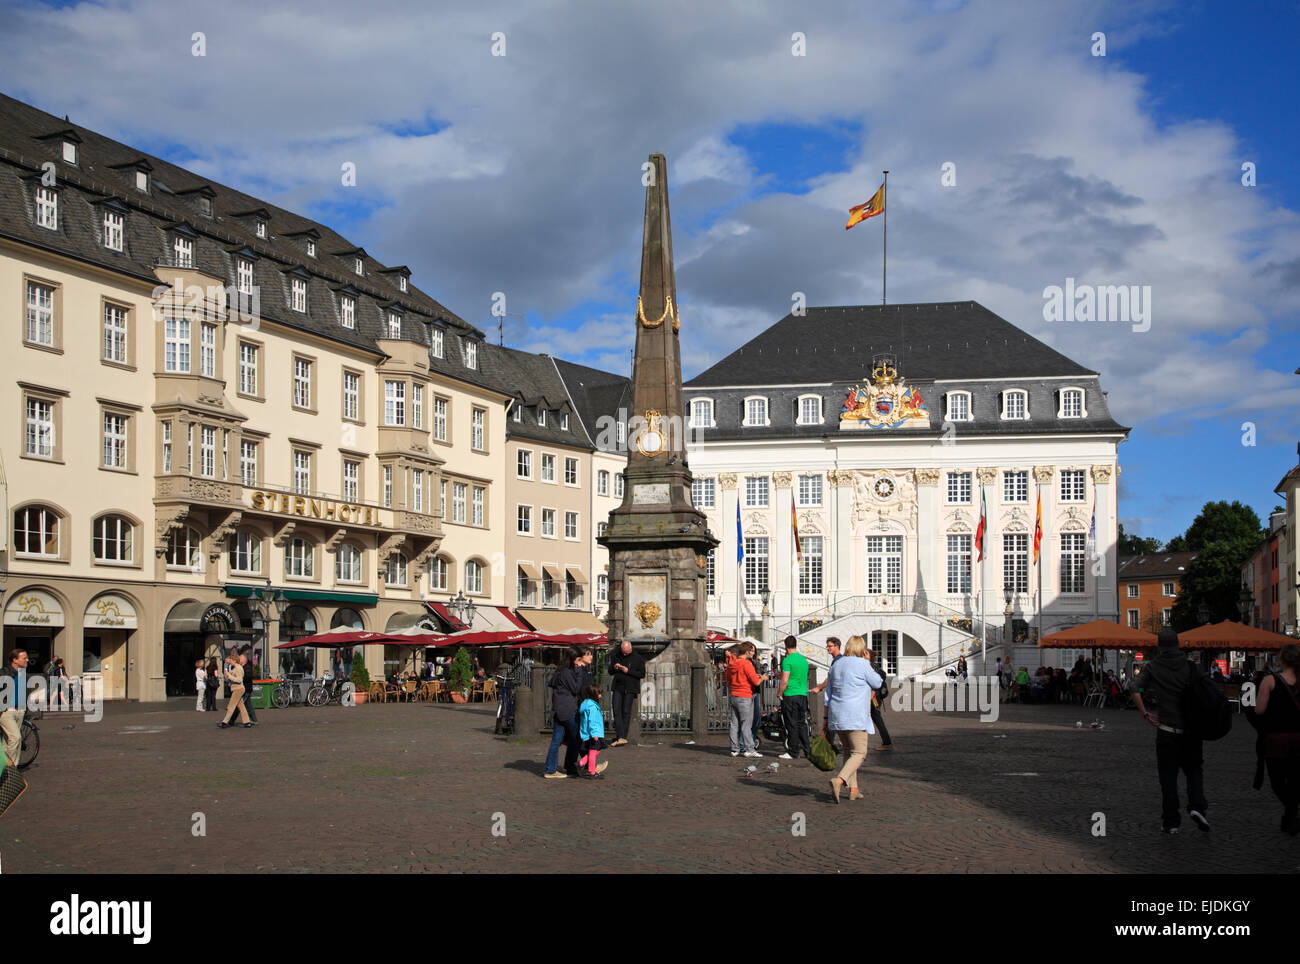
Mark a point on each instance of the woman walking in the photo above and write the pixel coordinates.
(200, 685)
(849, 684)
(567, 685)
(741, 683)
(1278, 704)
(211, 684)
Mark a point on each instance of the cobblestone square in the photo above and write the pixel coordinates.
(419, 788)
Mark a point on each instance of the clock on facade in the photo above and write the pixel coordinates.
(884, 487)
(651, 440)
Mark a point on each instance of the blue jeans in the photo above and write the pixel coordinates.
(742, 720)
(566, 732)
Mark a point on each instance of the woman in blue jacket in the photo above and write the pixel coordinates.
(849, 685)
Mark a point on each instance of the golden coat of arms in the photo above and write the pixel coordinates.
(886, 403)
(648, 613)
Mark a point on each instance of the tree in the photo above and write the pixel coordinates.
(1220, 521)
(1132, 545)
(1223, 537)
(1176, 544)
(461, 672)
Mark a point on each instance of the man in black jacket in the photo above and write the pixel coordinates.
(627, 669)
(568, 684)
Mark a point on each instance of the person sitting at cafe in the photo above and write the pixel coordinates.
(1020, 685)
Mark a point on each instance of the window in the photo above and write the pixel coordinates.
(311, 248)
(36, 532)
(619, 482)
(1133, 619)
(548, 523)
(959, 406)
(1167, 590)
(622, 435)
(810, 566)
(602, 483)
(183, 252)
(184, 550)
(435, 343)
(359, 266)
(702, 413)
(302, 473)
(394, 325)
(1166, 615)
(348, 311)
(474, 577)
(564, 422)
(395, 570)
(548, 467)
(114, 229)
(1132, 590)
(347, 564)
(40, 428)
(300, 559)
(247, 369)
(208, 452)
(112, 539)
(115, 439)
(394, 403)
(260, 228)
(959, 484)
(1071, 403)
(810, 410)
(602, 588)
(401, 283)
(246, 552)
(549, 595)
(471, 355)
(810, 490)
(524, 520)
(167, 446)
(524, 464)
(755, 565)
(244, 277)
(351, 481)
(570, 471)
(756, 411)
(478, 430)
(1072, 574)
(755, 490)
(299, 289)
(1015, 404)
(439, 419)
(388, 486)
(141, 181)
(247, 462)
(601, 527)
(571, 525)
(70, 152)
(417, 406)
(47, 208)
(438, 572)
(523, 589)
(959, 564)
(208, 350)
(476, 506)
(40, 314)
(1015, 487)
(351, 395)
(572, 593)
(458, 492)
(1074, 487)
(442, 498)
(541, 416)
(703, 493)
(301, 383)
(710, 575)
(417, 490)
(1015, 561)
(884, 564)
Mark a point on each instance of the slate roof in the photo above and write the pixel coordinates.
(1160, 565)
(536, 385)
(596, 394)
(105, 173)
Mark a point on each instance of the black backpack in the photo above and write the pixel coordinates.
(1207, 714)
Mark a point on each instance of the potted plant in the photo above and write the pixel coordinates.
(459, 676)
(360, 678)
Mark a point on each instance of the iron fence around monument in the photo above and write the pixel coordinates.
(664, 704)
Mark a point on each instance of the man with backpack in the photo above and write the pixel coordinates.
(1169, 678)
(878, 698)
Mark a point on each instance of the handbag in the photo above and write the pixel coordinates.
(821, 755)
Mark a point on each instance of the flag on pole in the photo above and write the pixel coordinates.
(794, 523)
(869, 210)
(1092, 532)
(1038, 525)
(979, 530)
(740, 539)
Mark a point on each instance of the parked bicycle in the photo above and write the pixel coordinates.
(326, 691)
(31, 739)
(506, 705)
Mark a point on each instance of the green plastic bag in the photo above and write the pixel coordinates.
(821, 754)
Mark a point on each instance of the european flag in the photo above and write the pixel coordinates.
(740, 540)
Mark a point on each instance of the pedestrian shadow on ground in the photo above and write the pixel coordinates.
(535, 767)
(706, 748)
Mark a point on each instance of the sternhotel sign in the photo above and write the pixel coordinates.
(324, 509)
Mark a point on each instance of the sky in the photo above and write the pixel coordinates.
(498, 148)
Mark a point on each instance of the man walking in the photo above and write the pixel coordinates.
(878, 698)
(235, 676)
(11, 720)
(793, 696)
(628, 670)
(832, 650)
(246, 664)
(1165, 678)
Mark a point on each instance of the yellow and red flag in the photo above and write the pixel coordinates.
(794, 522)
(1038, 525)
(869, 210)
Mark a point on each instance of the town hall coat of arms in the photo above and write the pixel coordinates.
(886, 403)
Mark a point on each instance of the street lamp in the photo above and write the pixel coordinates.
(266, 601)
(462, 608)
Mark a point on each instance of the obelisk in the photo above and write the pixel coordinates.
(657, 540)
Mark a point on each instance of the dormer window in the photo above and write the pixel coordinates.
(564, 423)
(394, 325)
(471, 355)
(1015, 404)
(205, 206)
(47, 208)
(756, 411)
(244, 277)
(702, 413)
(183, 252)
(958, 407)
(348, 311)
(260, 228)
(541, 416)
(114, 230)
(142, 181)
(70, 152)
(435, 343)
(360, 266)
(517, 413)
(810, 410)
(401, 283)
(1071, 403)
(298, 287)
(311, 248)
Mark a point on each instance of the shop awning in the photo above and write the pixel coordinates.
(410, 620)
(201, 617)
(1229, 635)
(576, 575)
(552, 621)
(529, 571)
(553, 572)
(1099, 634)
(238, 591)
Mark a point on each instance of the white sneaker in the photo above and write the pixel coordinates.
(753, 753)
(735, 753)
(785, 756)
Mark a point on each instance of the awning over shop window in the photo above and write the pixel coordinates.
(529, 571)
(111, 611)
(562, 620)
(201, 617)
(33, 609)
(238, 591)
(553, 572)
(409, 621)
(576, 575)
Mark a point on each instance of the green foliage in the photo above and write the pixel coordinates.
(1176, 544)
(1220, 521)
(1223, 537)
(1131, 545)
(360, 675)
(462, 670)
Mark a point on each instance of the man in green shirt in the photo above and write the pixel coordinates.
(793, 694)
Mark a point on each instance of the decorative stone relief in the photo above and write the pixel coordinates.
(727, 480)
(927, 476)
(987, 475)
(165, 524)
(781, 479)
(1043, 473)
(336, 539)
(222, 532)
(1100, 474)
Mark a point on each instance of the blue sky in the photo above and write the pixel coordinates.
(521, 173)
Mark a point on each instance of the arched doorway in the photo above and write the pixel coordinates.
(194, 631)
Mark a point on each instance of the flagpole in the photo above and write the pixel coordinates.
(884, 248)
(1041, 531)
(984, 629)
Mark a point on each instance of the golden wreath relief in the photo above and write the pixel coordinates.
(647, 612)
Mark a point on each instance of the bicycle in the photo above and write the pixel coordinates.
(31, 739)
(506, 706)
(326, 691)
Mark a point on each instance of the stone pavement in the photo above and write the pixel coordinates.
(388, 788)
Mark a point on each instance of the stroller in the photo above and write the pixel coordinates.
(772, 727)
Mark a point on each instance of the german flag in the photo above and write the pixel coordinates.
(1038, 524)
(869, 210)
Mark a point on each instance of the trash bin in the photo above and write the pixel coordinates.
(263, 695)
